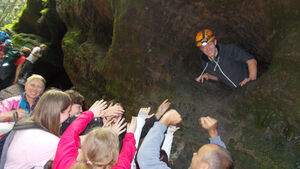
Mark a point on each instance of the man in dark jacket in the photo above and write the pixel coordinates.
(226, 63)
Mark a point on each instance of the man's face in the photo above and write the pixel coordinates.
(209, 49)
(75, 109)
(197, 162)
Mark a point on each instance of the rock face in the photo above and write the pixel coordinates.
(40, 23)
(141, 52)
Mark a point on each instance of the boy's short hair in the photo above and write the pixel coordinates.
(76, 97)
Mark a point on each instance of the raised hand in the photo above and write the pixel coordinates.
(98, 107)
(209, 124)
(119, 126)
(173, 129)
(131, 127)
(145, 110)
(162, 109)
(113, 111)
(171, 117)
(204, 76)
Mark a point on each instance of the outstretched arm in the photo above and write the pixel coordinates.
(206, 76)
(210, 125)
(167, 144)
(18, 69)
(67, 149)
(128, 149)
(252, 68)
(148, 155)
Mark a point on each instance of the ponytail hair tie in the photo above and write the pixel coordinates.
(89, 163)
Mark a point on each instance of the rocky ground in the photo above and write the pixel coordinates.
(10, 91)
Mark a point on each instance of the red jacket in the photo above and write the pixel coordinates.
(67, 149)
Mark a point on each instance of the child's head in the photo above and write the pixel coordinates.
(25, 51)
(100, 149)
(43, 47)
(52, 109)
(77, 102)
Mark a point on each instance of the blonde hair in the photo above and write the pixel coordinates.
(43, 46)
(36, 77)
(48, 109)
(26, 51)
(101, 148)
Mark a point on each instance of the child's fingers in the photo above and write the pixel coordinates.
(107, 123)
(149, 116)
(122, 131)
(165, 101)
(120, 122)
(123, 126)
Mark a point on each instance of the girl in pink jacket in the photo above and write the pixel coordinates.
(100, 148)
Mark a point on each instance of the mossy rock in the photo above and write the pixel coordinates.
(28, 40)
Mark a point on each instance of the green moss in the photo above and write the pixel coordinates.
(274, 104)
(73, 37)
(28, 40)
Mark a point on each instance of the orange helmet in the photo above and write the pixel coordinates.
(203, 37)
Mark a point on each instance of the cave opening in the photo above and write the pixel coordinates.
(250, 31)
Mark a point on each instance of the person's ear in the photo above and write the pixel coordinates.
(204, 165)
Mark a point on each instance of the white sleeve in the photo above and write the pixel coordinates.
(167, 144)
(141, 120)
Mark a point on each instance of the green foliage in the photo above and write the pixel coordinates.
(10, 10)
(44, 11)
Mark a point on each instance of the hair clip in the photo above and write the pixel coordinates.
(89, 162)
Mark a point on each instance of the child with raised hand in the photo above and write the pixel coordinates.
(151, 119)
(100, 148)
(140, 120)
(148, 156)
(167, 144)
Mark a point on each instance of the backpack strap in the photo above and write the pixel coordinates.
(29, 125)
(15, 116)
(9, 137)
